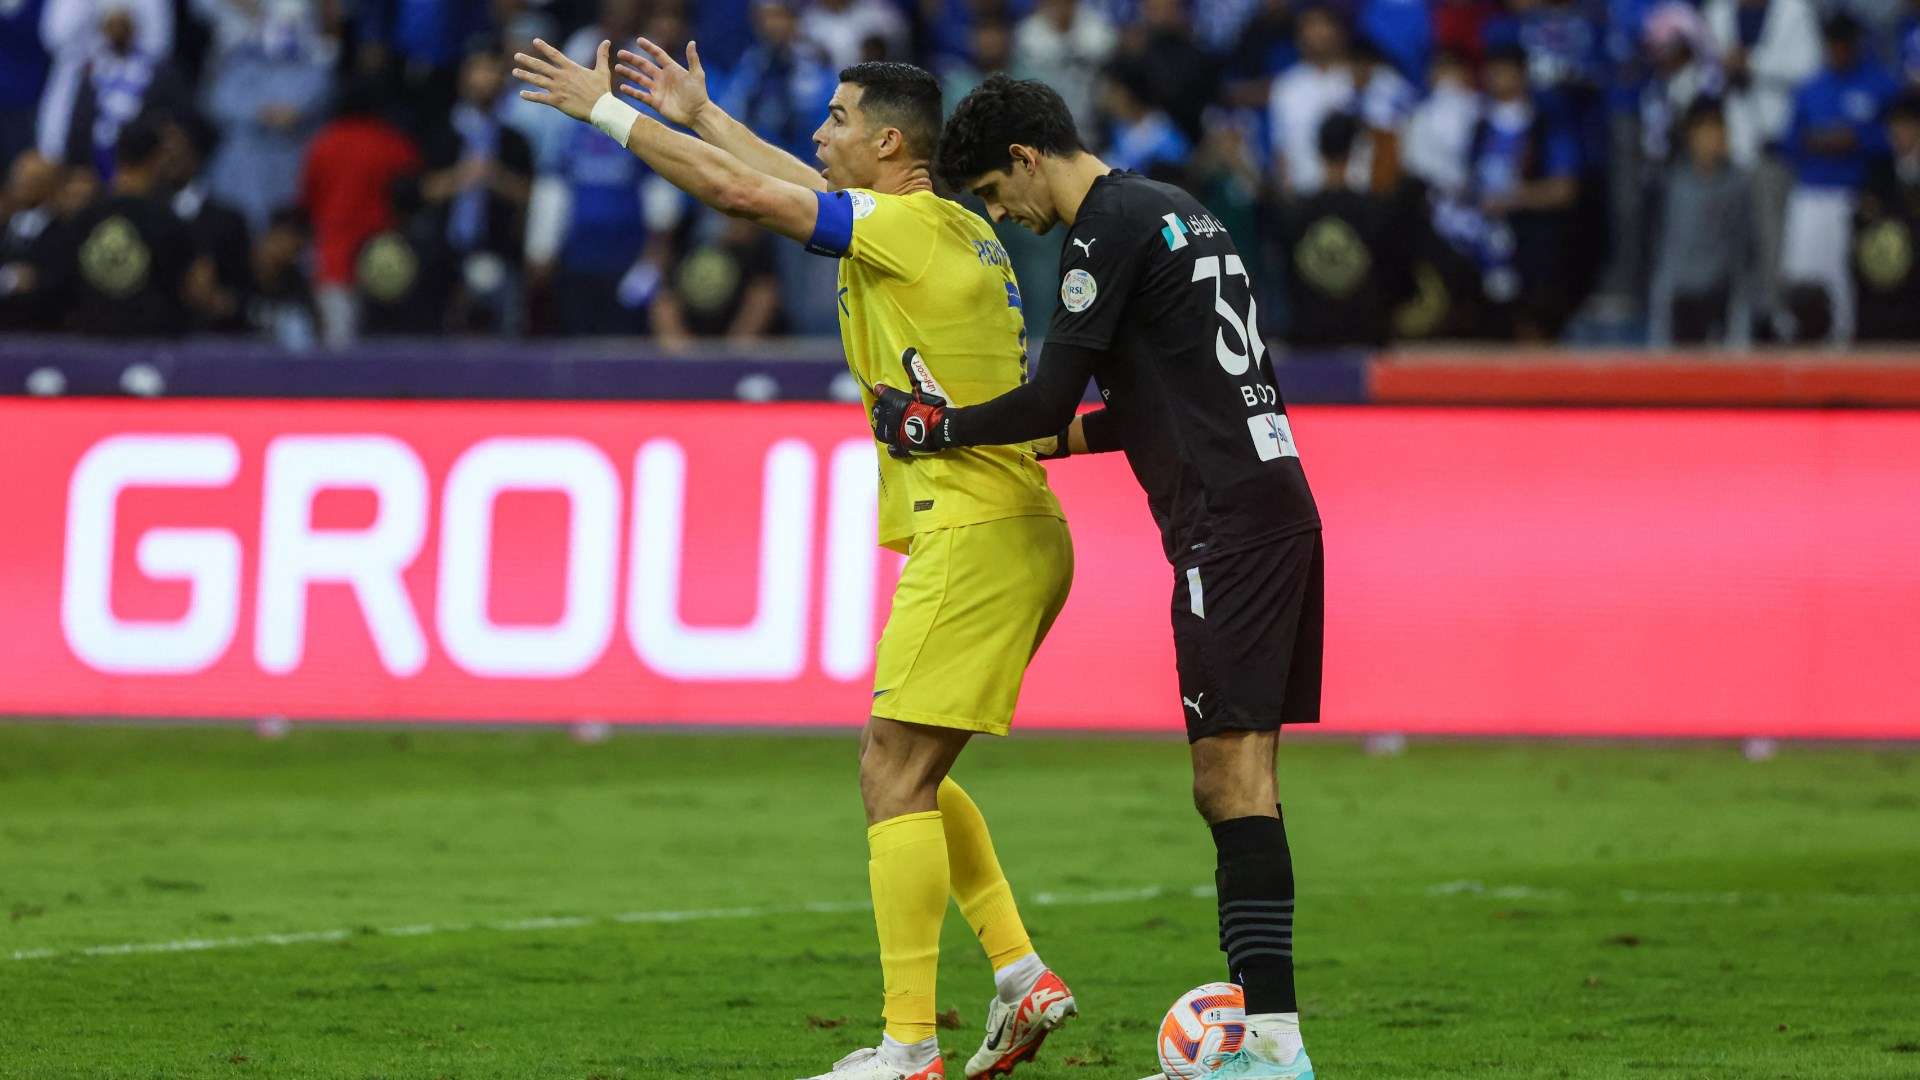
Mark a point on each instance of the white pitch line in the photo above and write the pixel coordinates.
(1469, 889)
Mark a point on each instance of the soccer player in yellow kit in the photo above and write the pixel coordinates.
(922, 280)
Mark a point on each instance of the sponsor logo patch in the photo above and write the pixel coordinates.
(863, 204)
(1078, 290)
(922, 504)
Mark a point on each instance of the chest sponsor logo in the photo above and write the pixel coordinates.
(1078, 290)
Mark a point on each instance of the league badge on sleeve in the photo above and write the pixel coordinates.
(863, 204)
(1078, 290)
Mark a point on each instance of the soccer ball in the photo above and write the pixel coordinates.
(1206, 1021)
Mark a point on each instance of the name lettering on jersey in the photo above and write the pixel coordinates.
(1086, 246)
(991, 253)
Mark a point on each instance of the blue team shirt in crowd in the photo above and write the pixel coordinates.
(607, 229)
(23, 63)
(781, 95)
(1403, 30)
(1153, 141)
(434, 32)
(1500, 160)
(1857, 99)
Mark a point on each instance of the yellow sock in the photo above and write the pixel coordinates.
(978, 884)
(908, 872)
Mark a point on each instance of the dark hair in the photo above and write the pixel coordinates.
(1338, 133)
(901, 96)
(140, 141)
(1705, 110)
(1840, 29)
(999, 113)
(1507, 54)
(289, 217)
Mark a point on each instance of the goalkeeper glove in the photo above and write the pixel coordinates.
(915, 423)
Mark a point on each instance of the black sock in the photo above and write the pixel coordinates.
(1255, 879)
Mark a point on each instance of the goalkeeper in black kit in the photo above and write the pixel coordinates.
(1157, 308)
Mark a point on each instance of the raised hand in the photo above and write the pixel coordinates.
(562, 83)
(655, 79)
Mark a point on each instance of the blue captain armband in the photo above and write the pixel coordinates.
(833, 228)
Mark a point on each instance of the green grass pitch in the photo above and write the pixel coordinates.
(509, 904)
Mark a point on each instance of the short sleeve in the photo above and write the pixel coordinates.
(889, 233)
(1099, 266)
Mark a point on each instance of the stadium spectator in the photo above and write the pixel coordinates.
(127, 266)
(722, 284)
(1337, 263)
(217, 229)
(281, 306)
(780, 90)
(1141, 137)
(782, 84)
(419, 43)
(1177, 76)
(842, 29)
(1908, 46)
(346, 189)
(1681, 70)
(1769, 48)
(1460, 28)
(268, 91)
(478, 178)
(23, 75)
(1524, 180)
(608, 260)
(1701, 279)
(1225, 175)
(1888, 231)
(1383, 102)
(989, 52)
(73, 33)
(1440, 131)
(1836, 131)
(117, 82)
(1403, 31)
(27, 220)
(1066, 43)
(1320, 85)
(1263, 48)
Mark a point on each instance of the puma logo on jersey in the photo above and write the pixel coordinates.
(1194, 703)
(1086, 246)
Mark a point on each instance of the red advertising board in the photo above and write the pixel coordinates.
(1501, 571)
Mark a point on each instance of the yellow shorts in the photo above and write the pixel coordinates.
(971, 608)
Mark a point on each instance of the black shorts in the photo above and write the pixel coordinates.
(1247, 637)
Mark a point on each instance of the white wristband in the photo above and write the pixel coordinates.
(614, 117)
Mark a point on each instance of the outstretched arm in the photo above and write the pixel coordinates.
(652, 77)
(707, 173)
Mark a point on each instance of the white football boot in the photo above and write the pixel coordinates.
(871, 1063)
(1015, 1032)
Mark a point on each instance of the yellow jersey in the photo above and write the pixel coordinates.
(922, 271)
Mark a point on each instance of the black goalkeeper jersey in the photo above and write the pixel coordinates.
(1152, 281)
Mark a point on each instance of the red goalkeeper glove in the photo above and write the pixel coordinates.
(915, 423)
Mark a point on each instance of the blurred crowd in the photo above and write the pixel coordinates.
(312, 171)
